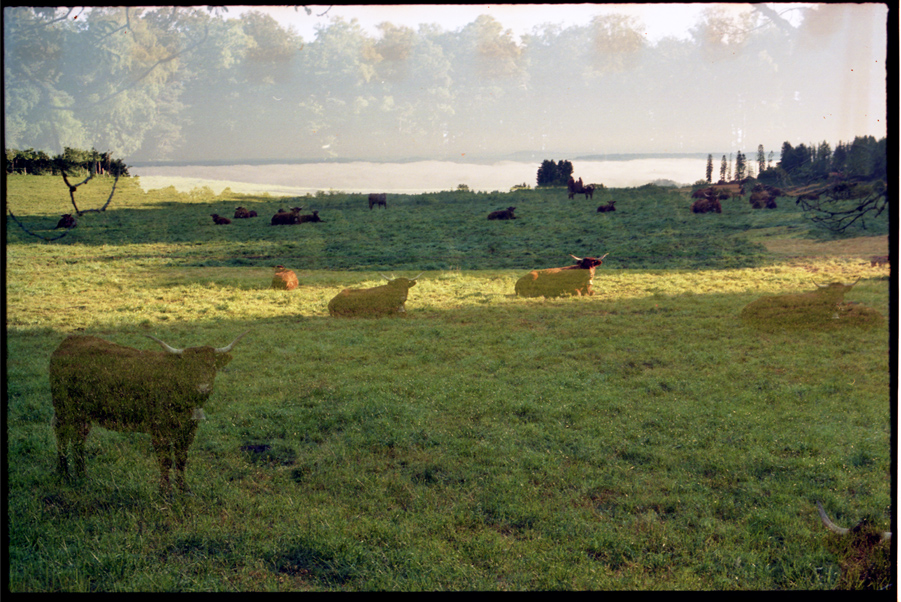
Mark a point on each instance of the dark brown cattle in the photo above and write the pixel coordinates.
(162, 393)
(220, 221)
(242, 213)
(283, 218)
(608, 207)
(378, 198)
(314, 217)
(502, 214)
(66, 221)
(385, 300)
(878, 260)
(863, 552)
(284, 279)
(761, 199)
(559, 282)
(707, 205)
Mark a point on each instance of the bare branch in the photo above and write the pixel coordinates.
(27, 231)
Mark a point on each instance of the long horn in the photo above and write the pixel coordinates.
(165, 346)
(417, 275)
(604, 255)
(829, 524)
(574, 257)
(385, 277)
(885, 535)
(853, 283)
(228, 347)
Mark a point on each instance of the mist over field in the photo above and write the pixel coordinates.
(193, 84)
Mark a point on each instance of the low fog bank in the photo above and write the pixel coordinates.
(408, 178)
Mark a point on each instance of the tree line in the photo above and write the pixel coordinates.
(178, 83)
(71, 161)
(865, 158)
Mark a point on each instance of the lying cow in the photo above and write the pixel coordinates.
(502, 214)
(162, 393)
(284, 279)
(219, 220)
(66, 221)
(608, 207)
(285, 218)
(560, 282)
(813, 308)
(380, 199)
(879, 260)
(385, 300)
(314, 217)
(242, 213)
(706, 205)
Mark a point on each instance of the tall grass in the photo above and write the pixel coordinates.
(643, 438)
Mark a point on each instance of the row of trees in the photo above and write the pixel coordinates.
(71, 161)
(181, 83)
(863, 159)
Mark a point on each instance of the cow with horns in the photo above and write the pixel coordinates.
(286, 218)
(93, 381)
(242, 213)
(559, 282)
(385, 300)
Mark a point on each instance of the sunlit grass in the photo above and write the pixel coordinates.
(642, 438)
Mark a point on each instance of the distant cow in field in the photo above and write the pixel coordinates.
(66, 221)
(378, 198)
(284, 279)
(385, 300)
(575, 187)
(707, 205)
(608, 207)
(878, 260)
(283, 218)
(818, 307)
(762, 199)
(313, 217)
(502, 214)
(93, 381)
(560, 282)
(242, 213)
(219, 220)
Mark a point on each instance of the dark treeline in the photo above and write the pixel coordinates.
(182, 83)
(71, 161)
(864, 158)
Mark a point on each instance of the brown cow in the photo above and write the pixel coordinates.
(878, 260)
(559, 282)
(283, 218)
(220, 221)
(812, 309)
(863, 553)
(242, 213)
(378, 198)
(284, 279)
(502, 214)
(66, 221)
(93, 381)
(608, 207)
(706, 205)
(314, 217)
(385, 300)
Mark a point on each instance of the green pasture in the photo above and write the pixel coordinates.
(642, 438)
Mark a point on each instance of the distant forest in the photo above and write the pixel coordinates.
(173, 83)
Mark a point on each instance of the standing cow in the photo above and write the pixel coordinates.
(162, 393)
(559, 282)
(385, 300)
(378, 198)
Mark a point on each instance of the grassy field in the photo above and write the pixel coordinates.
(643, 438)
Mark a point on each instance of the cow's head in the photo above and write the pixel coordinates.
(403, 283)
(586, 263)
(197, 366)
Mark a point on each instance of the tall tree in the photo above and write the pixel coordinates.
(709, 168)
(761, 159)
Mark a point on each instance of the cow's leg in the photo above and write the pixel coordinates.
(79, 436)
(181, 444)
(63, 438)
(162, 448)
